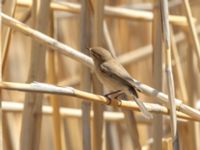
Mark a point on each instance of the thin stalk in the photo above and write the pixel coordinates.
(157, 73)
(110, 11)
(69, 91)
(67, 112)
(168, 69)
(72, 53)
(108, 39)
(9, 9)
(56, 118)
(178, 67)
(31, 121)
(85, 42)
(98, 7)
(193, 32)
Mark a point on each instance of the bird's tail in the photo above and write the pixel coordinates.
(143, 109)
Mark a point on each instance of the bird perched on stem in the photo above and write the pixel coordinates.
(113, 75)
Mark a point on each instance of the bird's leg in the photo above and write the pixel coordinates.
(114, 95)
(121, 94)
(111, 93)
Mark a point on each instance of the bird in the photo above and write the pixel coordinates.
(115, 77)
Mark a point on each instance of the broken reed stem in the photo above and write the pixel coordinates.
(112, 12)
(84, 59)
(69, 91)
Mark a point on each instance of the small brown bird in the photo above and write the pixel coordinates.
(113, 75)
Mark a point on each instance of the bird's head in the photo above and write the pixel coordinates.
(100, 54)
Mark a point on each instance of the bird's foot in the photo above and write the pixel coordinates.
(114, 95)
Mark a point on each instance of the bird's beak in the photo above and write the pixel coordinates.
(89, 49)
(93, 53)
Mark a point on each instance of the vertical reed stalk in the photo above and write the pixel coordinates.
(51, 77)
(7, 142)
(168, 69)
(178, 68)
(9, 9)
(97, 86)
(31, 122)
(193, 31)
(157, 72)
(85, 43)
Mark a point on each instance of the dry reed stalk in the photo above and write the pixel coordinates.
(55, 104)
(51, 77)
(178, 68)
(112, 135)
(1, 130)
(46, 40)
(142, 52)
(130, 121)
(52, 89)
(9, 9)
(193, 31)
(131, 124)
(189, 130)
(112, 12)
(98, 7)
(64, 48)
(72, 53)
(168, 68)
(6, 134)
(109, 116)
(85, 42)
(186, 131)
(124, 36)
(26, 16)
(167, 144)
(71, 81)
(157, 73)
(108, 39)
(70, 112)
(31, 123)
(1, 126)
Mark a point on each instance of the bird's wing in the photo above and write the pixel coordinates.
(119, 73)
